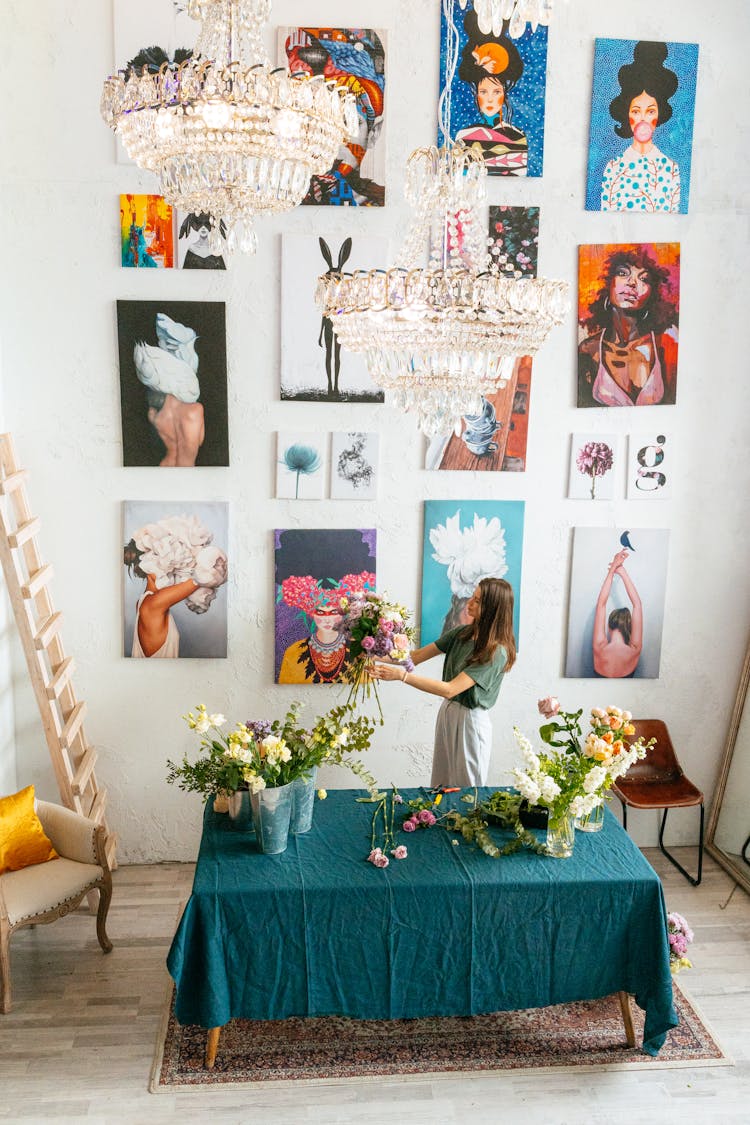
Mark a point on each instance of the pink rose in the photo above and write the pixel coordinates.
(374, 854)
(549, 706)
(401, 642)
(381, 860)
(409, 825)
(386, 626)
(426, 817)
(400, 852)
(368, 643)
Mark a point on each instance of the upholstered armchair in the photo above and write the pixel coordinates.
(47, 891)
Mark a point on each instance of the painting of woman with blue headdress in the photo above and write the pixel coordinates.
(355, 59)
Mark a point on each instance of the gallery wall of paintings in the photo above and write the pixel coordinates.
(207, 421)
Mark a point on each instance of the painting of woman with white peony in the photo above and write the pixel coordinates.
(464, 542)
(175, 570)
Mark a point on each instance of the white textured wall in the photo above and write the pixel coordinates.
(61, 278)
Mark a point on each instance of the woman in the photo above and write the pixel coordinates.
(630, 356)
(492, 66)
(199, 255)
(155, 634)
(318, 658)
(477, 656)
(617, 652)
(643, 178)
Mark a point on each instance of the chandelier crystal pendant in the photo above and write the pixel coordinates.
(492, 13)
(440, 337)
(226, 133)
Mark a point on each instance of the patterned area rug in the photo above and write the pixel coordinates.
(586, 1036)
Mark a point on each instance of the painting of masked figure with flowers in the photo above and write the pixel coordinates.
(175, 570)
(317, 571)
(464, 542)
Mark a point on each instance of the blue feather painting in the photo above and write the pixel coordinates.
(641, 139)
(492, 91)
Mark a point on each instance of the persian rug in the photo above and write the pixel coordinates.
(581, 1036)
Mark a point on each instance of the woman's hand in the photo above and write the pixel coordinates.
(381, 671)
(618, 560)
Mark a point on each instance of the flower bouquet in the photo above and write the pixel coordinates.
(257, 755)
(679, 936)
(572, 776)
(374, 627)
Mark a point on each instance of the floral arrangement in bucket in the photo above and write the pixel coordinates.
(374, 626)
(679, 936)
(572, 776)
(257, 754)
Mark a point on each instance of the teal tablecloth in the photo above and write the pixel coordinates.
(319, 931)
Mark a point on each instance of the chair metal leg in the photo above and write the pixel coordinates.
(671, 858)
(624, 815)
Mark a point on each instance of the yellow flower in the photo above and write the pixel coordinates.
(322, 794)
(628, 729)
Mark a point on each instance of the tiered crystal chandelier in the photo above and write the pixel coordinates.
(492, 13)
(440, 337)
(228, 134)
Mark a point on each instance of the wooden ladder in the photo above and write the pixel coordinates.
(27, 579)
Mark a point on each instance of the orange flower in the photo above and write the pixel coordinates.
(628, 729)
(615, 723)
(608, 736)
(617, 747)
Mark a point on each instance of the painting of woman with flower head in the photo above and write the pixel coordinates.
(316, 573)
(652, 111)
(464, 542)
(492, 90)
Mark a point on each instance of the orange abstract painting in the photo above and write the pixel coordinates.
(146, 232)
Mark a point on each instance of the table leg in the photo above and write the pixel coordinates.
(627, 1018)
(212, 1046)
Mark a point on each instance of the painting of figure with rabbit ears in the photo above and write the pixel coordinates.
(314, 367)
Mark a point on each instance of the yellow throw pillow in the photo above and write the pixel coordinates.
(22, 838)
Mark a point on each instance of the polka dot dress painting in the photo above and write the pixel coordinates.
(641, 139)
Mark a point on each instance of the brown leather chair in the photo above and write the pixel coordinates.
(657, 782)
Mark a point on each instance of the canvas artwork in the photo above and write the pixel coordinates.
(593, 461)
(300, 466)
(146, 232)
(314, 366)
(173, 383)
(355, 58)
(650, 466)
(465, 541)
(193, 249)
(492, 91)
(514, 240)
(174, 568)
(314, 571)
(493, 440)
(354, 466)
(616, 609)
(628, 319)
(642, 108)
(148, 33)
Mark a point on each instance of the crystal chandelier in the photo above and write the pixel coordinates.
(442, 336)
(492, 13)
(227, 133)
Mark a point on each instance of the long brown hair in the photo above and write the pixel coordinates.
(494, 626)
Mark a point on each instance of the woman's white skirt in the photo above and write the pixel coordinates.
(463, 745)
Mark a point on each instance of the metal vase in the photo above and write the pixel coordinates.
(303, 802)
(272, 810)
(240, 813)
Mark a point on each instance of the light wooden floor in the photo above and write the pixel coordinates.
(78, 1045)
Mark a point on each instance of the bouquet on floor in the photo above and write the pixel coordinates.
(374, 627)
(573, 774)
(679, 936)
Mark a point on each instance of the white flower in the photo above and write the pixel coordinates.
(549, 789)
(202, 724)
(582, 806)
(284, 753)
(217, 720)
(470, 554)
(532, 761)
(272, 743)
(527, 787)
(255, 783)
(594, 779)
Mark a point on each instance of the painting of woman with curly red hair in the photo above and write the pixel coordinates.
(628, 315)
